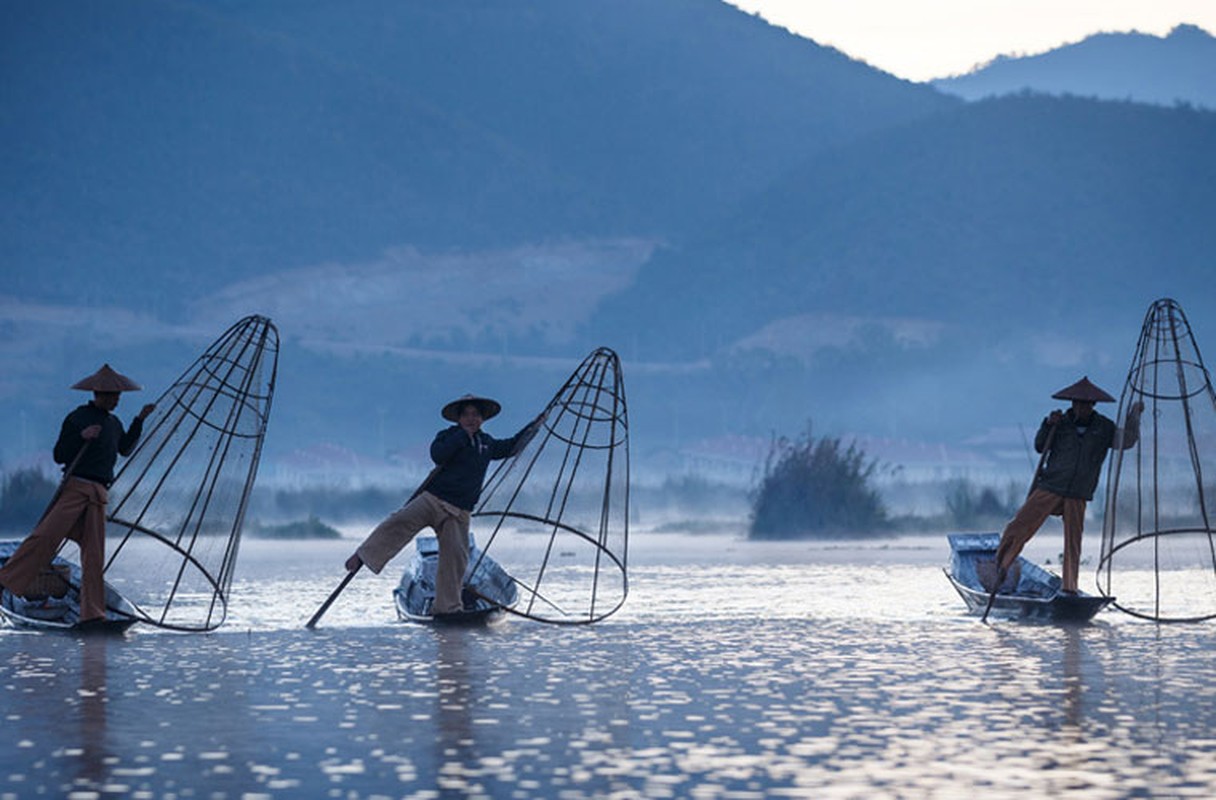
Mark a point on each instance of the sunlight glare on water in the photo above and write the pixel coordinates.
(735, 669)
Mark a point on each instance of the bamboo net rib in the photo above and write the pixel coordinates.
(556, 515)
(1158, 545)
(178, 503)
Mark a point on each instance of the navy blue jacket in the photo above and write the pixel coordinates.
(1075, 462)
(463, 461)
(97, 464)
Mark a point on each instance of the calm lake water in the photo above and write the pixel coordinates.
(735, 670)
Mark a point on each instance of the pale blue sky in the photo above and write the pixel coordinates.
(924, 39)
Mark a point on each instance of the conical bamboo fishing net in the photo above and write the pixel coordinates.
(556, 515)
(1158, 543)
(177, 506)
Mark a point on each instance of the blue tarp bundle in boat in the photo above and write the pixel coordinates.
(487, 584)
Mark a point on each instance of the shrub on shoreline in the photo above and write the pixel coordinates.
(816, 488)
(24, 495)
(311, 528)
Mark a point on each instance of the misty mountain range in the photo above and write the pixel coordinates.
(1169, 70)
(430, 199)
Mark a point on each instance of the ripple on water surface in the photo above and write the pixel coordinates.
(717, 680)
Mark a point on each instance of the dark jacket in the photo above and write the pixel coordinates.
(97, 463)
(463, 461)
(1073, 466)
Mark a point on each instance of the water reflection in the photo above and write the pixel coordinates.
(797, 679)
(92, 731)
(1074, 685)
(453, 741)
(455, 691)
(1059, 661)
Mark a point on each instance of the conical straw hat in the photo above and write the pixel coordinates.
(107, 380)
(1085, 391)
(488, 407)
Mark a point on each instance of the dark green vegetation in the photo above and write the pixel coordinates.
(24, 494)
(810, 487)
(971, 507)
(311, 528)
(335, 504)
(816, 487)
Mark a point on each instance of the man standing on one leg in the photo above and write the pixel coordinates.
(462, 453)
(1078, 440)
(90, 441)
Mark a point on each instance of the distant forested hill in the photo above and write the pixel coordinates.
(1178, 68)
(1005, 212)
(433, 198)
(909, 278)
(157, 149)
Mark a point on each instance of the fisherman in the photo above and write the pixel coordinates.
(1075, 443)
(444, 502)
(90, 441)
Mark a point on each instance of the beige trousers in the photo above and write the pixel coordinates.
(451, 525)
(1040, 505)
(78, 514)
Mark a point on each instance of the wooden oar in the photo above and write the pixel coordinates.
(1000, 573)
(329, 601)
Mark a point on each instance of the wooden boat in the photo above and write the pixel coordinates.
(1029, 591)
(488, 591)
(57, 608)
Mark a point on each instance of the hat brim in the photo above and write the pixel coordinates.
(1084, 391)
(106, 379)
(488, 408)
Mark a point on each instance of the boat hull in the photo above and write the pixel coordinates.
(488, 589)
(1036, 595)
(50, 613)
(475, 618)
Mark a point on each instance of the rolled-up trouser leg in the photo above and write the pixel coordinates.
(1074, 526)
(453, 534)
(398, 529)
(1024, 525)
